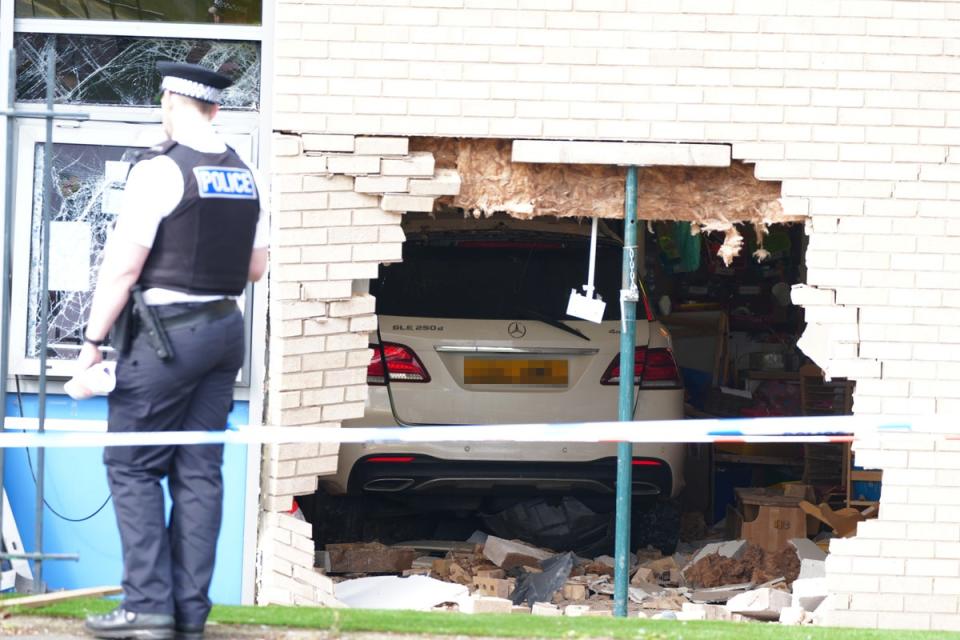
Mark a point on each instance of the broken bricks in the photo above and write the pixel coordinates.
(497, 587)
(371, 557)
(508, 554)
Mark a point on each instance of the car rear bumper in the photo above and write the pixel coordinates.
(399, 473)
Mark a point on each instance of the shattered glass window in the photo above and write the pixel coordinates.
(121, 70)
(81, 202)
(203, 11)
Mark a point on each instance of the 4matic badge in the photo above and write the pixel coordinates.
(516, 330)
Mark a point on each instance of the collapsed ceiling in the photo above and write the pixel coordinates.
(711, 198)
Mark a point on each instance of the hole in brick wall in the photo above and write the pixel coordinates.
(474, 330)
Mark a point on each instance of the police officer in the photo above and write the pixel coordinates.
(191, 234)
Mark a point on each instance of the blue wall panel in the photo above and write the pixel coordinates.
(76, 485)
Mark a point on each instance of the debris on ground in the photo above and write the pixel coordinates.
(753, 565)
(418, 593)
(762, 604)
(371, 557)
(541, 587)
(714, 579)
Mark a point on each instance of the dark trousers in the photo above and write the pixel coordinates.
(168, 565)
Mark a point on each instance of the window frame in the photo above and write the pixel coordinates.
(104, 121)
(28, 136)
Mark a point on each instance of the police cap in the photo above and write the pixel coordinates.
(193, 81)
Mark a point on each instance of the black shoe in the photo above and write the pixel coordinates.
(120, 624)
(189, 632)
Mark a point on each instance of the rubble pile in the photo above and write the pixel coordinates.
(732, 580)
(753, 565)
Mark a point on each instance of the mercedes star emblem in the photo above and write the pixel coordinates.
(516, 330)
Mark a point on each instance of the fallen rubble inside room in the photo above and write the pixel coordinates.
(733, 580)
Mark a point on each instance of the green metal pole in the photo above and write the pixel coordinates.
(628, 328)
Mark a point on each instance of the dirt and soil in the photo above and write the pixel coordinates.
(35, 628)
(755, 565)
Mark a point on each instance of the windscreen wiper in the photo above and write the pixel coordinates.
(553, 322)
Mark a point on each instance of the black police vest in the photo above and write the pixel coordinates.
(203, 246)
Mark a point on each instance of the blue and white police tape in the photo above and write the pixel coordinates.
(22, 432)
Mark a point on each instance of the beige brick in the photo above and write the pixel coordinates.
(354, 270)
(379, 252)
(326, 142)
(304, 415)
(276, 503)
(382, 146)
(352, 200)
(286, 145)
(329, 253)
(331, 290)
(347, 377)
(301, 381)
(416, 164)
(353, 164)
(327, 395)
(319, 466)
(397, 202)
(320, 361)
(445, 183)
(357, 305)
(906, 620)
(358, 392)
(328, 183)
(290, 486)
(381, 184)
(325, 326)
(376, 216)
(344, 411)
(353, 235)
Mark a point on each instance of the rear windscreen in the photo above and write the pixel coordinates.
(495, 280)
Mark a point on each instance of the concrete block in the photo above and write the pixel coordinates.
(812, 569)
(620, 153)
(507, 554)
(728, 549)
(762, 604)
(809, 593)
(693, 611)
(545, 609)
(795, 616)
(445, 183)
(807, 549)
(485, 604)
(576, 610)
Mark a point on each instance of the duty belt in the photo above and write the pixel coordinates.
(208, 311)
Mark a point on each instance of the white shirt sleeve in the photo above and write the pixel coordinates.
(262, 236)
(154, 188)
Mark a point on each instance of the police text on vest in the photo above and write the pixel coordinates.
(225, 182)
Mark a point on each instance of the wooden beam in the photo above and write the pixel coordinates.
(57, 596)
(621, 153)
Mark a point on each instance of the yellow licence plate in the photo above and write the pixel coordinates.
(487, 371)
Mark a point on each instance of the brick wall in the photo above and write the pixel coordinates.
(902, 570)
(851, 104)
(338, 201)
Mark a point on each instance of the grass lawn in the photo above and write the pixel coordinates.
(505, 626)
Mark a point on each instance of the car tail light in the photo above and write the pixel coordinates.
(653, 368)
(645, 462)
(390, 459)
(403, 365)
